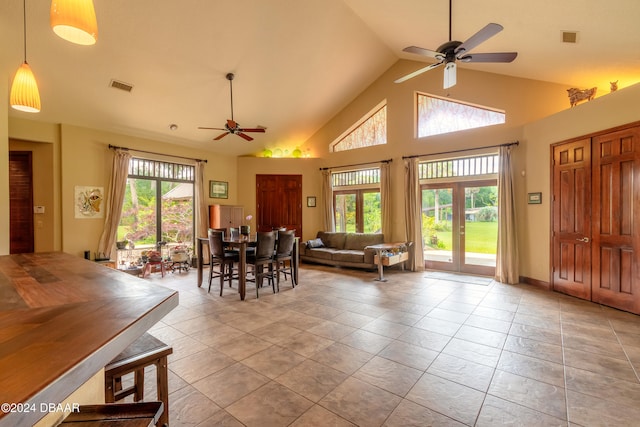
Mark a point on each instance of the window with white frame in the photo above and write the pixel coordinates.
(370, 130)
(438, 115)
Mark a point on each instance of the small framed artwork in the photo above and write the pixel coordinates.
(535, 198)
(218, 189)
(311, 201)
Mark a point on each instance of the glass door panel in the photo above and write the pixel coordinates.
(479, 230)
(371, 212)
(138, 221)
(438, 218)
(177, 212)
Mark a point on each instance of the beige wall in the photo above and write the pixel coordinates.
(537, 116)
(603, 113)
(523, 100)
(249, 167)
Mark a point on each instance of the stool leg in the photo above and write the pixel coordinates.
(109, 386)
(162, 376)
(138, 396)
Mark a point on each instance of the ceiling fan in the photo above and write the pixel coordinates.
(453, 50)
(232, 127)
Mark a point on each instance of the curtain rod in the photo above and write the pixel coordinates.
(357, 164)
(113, 147)
(466, 149)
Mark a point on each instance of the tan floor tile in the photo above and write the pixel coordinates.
(586, 410)
(360, 403)
(535, 333)
(528, 392)
(275, 333)
(331, 330)
(594, 345)
(312, 380)
(487, 323)
(496, 412)
(270, 406)
(273, 361)
(353, 319)
(426, 339)
(367, 341)
(199, 365)
(602, 365)
(448, 315)
(473, 352)
(448, 398)
(494, 313)
(607, 388)
(220, 419)
(409, 414)
(409, 355)
(243, 346)
(185, 346)
(306, 344)
(533, 348)
(317, 416)
(342, 357)
(230, 384)
(402, 317)
(481, 336)
(462, 371)
(217, 336)
(389, 375)
(531, 367)
(188, 406)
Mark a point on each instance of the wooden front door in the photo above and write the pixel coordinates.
(616, 235)
(20, 202)
(279, 202)
(572, 218)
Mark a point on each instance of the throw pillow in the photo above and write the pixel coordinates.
(315, 243)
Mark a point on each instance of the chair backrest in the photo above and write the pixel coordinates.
(215, 243)
(285, 242)
(234, 233)
(265, 244)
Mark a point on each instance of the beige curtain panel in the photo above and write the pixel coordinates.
(200, 206)
(117, 187)
(507, 255)
(385, 202)
(413, 214)
(327, 202)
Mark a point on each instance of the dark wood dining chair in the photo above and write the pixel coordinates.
(263, 256)
(284, 255)
(222, 258)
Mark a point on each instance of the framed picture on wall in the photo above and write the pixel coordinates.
(535, 198)
(218, 190)
(311, 201)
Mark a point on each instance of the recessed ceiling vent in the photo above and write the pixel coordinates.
(569, 37)
(121, 85)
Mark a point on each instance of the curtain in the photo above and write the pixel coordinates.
(117, 187)
(507, 255)
(413, 214)
(200, 206)
(385, 199)
(327, 202)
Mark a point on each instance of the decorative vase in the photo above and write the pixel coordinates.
(244, 230)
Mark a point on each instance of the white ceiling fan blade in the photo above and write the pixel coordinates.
(418, 72)
(449, 75)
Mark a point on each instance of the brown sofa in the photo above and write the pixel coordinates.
(341, 249)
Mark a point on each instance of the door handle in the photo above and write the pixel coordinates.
(584, 239)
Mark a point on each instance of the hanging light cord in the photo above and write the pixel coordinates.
(24, 17)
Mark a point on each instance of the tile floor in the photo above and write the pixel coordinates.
(342, 349)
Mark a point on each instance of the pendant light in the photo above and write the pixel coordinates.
(24, 89)
(74, 21)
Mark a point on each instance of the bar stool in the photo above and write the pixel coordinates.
(145, 351)
(115, 415)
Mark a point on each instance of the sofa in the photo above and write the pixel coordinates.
(341, 249)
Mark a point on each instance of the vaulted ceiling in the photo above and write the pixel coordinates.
(297, 63)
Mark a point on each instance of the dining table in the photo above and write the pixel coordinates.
(241, 244)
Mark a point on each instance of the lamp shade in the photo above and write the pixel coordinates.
(75, 21)
(24, 90)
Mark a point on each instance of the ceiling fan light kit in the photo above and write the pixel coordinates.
(232, 127)
(74, 21)
(450, 52)
(24, 94)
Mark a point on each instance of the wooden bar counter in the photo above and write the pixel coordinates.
(62, 319)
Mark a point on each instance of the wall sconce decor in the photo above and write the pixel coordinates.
(74, 21)
(24, 89)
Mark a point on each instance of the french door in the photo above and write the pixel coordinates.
(460, 226)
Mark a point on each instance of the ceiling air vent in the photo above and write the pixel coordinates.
(569, 36)
(121, 85)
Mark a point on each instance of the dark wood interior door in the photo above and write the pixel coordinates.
(571, 253)
(616, 197)
(20, 202)
(279, 202)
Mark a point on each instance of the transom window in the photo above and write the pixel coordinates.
(369, 131)
(459, 167)
(438, 115)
